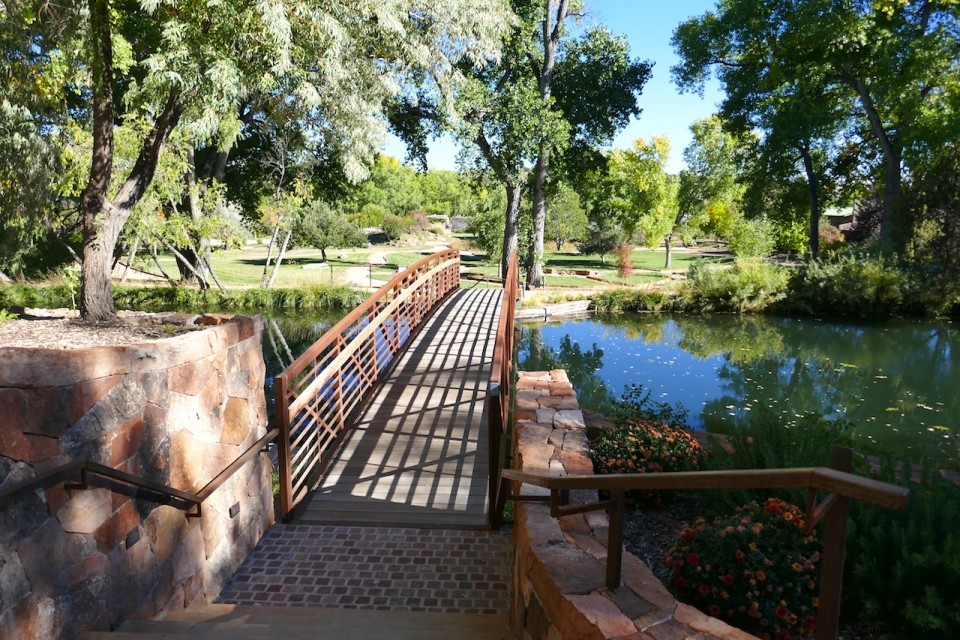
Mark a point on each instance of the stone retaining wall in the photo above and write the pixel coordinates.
(560, 565)
(175, 411)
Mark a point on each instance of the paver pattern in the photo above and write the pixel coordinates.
(396, 569)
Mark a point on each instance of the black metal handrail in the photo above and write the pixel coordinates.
(81, 470)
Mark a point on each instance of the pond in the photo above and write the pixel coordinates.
(897, 383)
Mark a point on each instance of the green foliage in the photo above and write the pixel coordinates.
(314, 297)
(395, 227)
(322, 227)
(764, 440)
(752, 238)
(641, 445)
(6, 316)
(566, 220)
(747, 287)
(863, 285)
(369, 215)
(756, 569)
(635, 404)
(903, 568)
(649, 436)
(603, 236)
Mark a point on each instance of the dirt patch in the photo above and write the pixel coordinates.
(73, 333)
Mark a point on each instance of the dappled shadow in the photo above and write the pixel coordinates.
(418, 455)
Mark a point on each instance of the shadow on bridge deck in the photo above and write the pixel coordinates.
(418, 454)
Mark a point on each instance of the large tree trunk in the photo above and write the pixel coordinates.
(103, 219)
(511, 226)
(813, 189)
(536, 253)
(552, 28)
(96, 301)
(892, 159)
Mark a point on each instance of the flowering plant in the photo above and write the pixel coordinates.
(756, 570)
(642, 446)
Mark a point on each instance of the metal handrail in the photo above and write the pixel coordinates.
(836, 479)
(81, 470)
(318, 396)
(499, 398)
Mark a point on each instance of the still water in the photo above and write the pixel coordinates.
(897, 383)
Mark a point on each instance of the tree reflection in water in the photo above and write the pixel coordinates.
(894, 381)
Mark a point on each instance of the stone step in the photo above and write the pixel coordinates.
(244, 622)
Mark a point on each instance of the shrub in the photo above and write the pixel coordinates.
(394, 227)
(756, 569)
(748, 286)
(635, 403)
(645, 446)
(864, 286)
(903, 568)
(369, 215)
(754, 238)
(765, 440)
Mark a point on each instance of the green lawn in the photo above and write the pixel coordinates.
(244, 267)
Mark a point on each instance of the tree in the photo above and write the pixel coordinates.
(191, 66)
(898, 60)
(638, 193)
(547, 98)
(566, 220)
(322, 227)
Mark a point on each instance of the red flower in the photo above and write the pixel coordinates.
(680, 581)
(713, 610)
(738, 556)
(704, 589)
(781, 612)
(693, 559)
(727, 580)
(809, 623)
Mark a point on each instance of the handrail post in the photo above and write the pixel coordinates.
(494, 440)
(615, 540)
(834, 551)
(282, 417)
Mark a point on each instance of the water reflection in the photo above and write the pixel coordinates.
(896, 382)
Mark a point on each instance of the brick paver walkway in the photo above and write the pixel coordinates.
(397, 569)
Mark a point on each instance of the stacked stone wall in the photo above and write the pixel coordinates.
(175, 411)
(559, 572)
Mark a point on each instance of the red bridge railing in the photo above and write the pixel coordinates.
(320, 394)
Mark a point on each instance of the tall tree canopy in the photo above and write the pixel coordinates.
(790, 66)
(191, 68)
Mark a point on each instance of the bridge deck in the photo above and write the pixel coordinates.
(418, 455)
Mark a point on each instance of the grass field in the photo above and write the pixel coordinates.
(244, 267)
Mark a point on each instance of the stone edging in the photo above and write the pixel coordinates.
(560, 564)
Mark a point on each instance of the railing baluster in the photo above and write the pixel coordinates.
(283, 444)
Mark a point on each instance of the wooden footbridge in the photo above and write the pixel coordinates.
(396, 416)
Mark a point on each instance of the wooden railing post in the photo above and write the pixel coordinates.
(282, 418)
(494, 440)
(615, 540)
(834, 552)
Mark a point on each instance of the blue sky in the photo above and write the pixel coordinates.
(648, 26)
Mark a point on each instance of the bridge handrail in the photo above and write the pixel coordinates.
(320, 393)
(499, 396)
(841, 486)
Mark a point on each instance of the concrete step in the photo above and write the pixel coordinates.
(244, 622)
